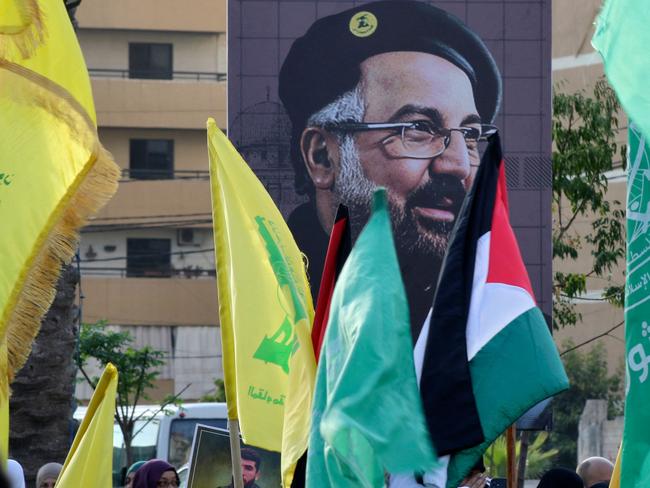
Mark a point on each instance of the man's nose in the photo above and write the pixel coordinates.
(454, 160)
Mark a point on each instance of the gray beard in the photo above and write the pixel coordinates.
(355, 190)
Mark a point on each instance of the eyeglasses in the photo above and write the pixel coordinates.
(419, 139)
(167, 483)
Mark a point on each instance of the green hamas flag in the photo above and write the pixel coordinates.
(622, 37)
(635, 460)
(367, 413)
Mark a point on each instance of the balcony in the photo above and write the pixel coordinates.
(158, 15)
(159, 197)
(179, 103)
(150, 301)
(175, 75)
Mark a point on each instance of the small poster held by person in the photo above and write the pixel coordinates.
(210, 462)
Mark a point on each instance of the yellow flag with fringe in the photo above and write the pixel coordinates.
(265, 310)
(90, 459)
(54, 173)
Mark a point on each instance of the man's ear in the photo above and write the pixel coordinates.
(314, 146)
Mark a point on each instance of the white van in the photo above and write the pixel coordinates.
(164, 434)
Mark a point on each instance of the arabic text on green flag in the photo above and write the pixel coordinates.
(635, 454)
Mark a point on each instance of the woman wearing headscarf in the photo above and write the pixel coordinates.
(47, 475)
(130, 473)
(560, 478)
(15, 474)
(156, 473)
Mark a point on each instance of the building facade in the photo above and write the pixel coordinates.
(577, 66)
(158, 71)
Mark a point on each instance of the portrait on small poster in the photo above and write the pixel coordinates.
(210, 462)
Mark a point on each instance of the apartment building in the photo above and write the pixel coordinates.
(577, 66)
(158, 71)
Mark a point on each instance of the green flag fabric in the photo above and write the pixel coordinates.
(635, 454)
(367, 414)
(622, 37)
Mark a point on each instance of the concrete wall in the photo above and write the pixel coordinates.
(159, 197)
(598, 436)
(150, 301)
(169, 15)
(158, 103)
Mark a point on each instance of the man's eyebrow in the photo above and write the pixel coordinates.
(471, 119)
(431, 113)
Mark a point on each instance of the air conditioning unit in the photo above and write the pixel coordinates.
(188, 237)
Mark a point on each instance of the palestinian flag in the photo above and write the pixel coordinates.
(489, 355)
(338, 250)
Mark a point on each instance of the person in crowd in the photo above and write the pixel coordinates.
(595, 471)
(130, 473)
(560, 478)
(47, 475)
(15, 474)
(156, 473)
(250, 468)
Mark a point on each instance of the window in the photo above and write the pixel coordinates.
(148, 258)
(150, 61)
(151, 159)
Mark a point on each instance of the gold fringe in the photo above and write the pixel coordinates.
(26, 37)
(56, 246)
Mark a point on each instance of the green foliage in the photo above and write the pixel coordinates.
(219, 394)
(589, 379)
(584, 131)
(538, 459)
(137, 369)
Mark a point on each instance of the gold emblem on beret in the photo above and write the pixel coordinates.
(363, 24)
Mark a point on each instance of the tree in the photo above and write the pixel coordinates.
(41, 402)
(584, 132)
(137, 368)
(589, 379)
(219, 394)
(537, 460)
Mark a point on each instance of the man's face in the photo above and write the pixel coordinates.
(249, 471)
(425, 195)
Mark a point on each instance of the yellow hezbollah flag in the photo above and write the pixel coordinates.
(90, 459)
(265, 310)
(53, 171)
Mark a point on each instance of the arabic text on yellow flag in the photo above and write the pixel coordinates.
(53, 171)
(265, 309)
(90, 459)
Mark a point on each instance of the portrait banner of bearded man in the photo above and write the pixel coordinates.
(330, 99)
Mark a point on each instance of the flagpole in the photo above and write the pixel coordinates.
(235, 453)
(511, 442)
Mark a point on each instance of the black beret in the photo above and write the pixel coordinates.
(325, 62)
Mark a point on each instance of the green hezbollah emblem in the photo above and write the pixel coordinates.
(283, 344)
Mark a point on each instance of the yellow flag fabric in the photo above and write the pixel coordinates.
(90, 459)
(54, 173)
(615, 481)
(265, 309)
